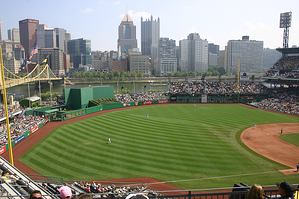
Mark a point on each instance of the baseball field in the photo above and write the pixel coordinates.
(183, 145)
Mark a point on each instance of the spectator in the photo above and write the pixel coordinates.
(36, 194)
(65, 192)
(286, 189)
(256, 192)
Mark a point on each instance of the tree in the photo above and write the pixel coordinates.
(110, 75)
(116, 73)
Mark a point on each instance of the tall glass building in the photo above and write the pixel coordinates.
(150, 34)
(79, 51)
(126, 35)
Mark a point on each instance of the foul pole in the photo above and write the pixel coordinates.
(238, 84)
(6, 109)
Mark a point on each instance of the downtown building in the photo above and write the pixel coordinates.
(56, 60)
(27, 28)
(150, 35)
(166, 62)
(137, 62)
(13, 34)
(193, 53)
(249, 52)
(213, 54)
(79, 51)
(126, 35)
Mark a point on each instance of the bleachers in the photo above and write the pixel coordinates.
(24, 185)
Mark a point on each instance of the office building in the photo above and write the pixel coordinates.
(126, 35)
(1, 31)
(8, 49)
(150, 34)
(19, 52)
(60, 38)
(55, 61)
(137, 62)
(166, 62)
(185, 55)
(41, 35)
(79, 51)
(13, 34)
(67, 36)
(27, 29)
(50, 38)
(223, 58)
(193, 53)
(213, 59)
(12, 65)
(249, 52)
(213, 54)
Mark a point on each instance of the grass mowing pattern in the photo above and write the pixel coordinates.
(291, 138)
(189, 147)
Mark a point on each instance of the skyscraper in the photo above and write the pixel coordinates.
(150, 34)
(1, 31)
(79, 51)
(13, 34)
(194, 53)
(166, 62)
(40, 35)
(60, 38)
(27, 29)
(213, 54)
(249, 52)
(126, 34)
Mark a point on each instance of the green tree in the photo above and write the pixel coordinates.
(76, 74)
(116, 73)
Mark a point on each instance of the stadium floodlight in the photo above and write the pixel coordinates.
(285, 22)
(285, 19)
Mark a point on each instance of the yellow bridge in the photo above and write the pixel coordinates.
(41, 72)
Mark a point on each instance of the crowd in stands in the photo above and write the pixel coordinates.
(218, 87)
(100, 190)
(287, 62)
(285, 67)
(193, 87)
(287, 102)
(135, 97)
(11, 110)
(19, 126)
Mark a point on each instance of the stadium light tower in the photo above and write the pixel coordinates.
(285, 22)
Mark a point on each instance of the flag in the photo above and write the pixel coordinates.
(33, 52)
(24, 64)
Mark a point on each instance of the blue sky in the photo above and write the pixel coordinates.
(215, 20)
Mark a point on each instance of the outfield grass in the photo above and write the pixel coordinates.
(291, 138)
(189, 147)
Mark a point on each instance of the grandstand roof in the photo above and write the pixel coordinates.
(286, 51)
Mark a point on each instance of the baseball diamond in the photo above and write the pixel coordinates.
(185, 146)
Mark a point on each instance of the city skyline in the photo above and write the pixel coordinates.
(217, 21)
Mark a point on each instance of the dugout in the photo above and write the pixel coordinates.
(78, 98)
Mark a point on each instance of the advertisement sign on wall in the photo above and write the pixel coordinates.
(162, 101)
(147, 102)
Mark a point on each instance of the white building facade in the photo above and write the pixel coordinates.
(166, 61)
(249, 52)
(194, 54)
